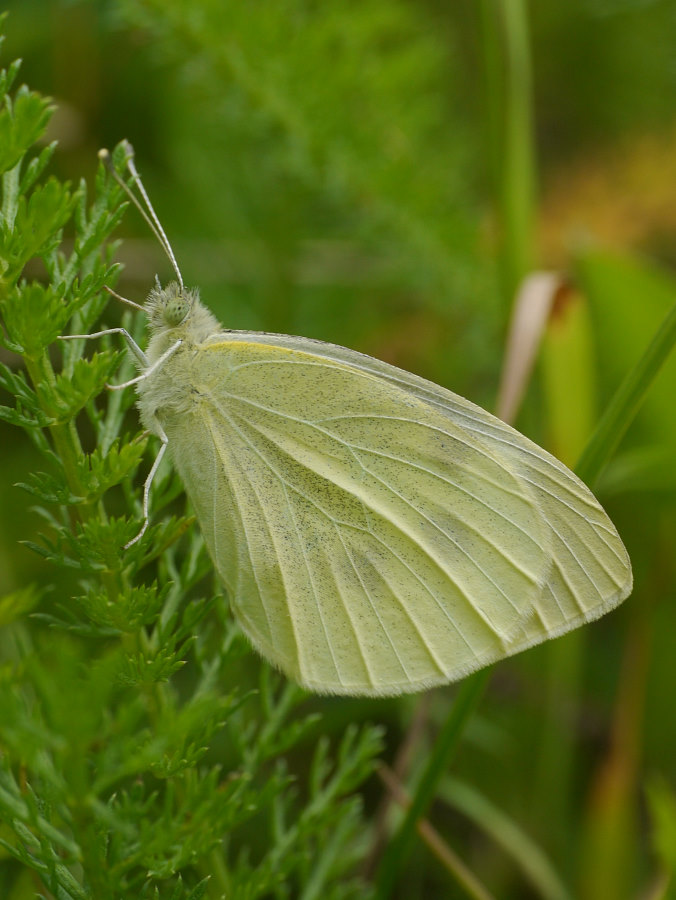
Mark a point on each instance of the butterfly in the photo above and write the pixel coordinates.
(376, 533)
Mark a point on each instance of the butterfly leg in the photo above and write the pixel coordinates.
(131, 343)
(159, 431)
(149, 371)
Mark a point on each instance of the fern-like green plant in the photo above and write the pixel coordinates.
(143, 751)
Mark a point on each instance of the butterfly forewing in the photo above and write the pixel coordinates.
(378, 534)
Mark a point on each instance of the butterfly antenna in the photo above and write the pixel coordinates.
(147, 211)
(124, 299)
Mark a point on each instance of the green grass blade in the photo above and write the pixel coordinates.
(627, 401)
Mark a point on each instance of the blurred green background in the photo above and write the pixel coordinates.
(382, 174)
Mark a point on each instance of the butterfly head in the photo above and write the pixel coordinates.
(170, 306)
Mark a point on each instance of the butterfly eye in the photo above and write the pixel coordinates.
(176, 310)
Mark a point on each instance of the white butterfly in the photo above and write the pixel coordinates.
(376, 533)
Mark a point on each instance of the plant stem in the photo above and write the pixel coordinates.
(69, 450)
(445, 854)
(508, 77)
(466, 700)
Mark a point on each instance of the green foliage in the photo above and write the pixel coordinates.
(22, 121)
(133, 751)
(366, 133)
(357, 172)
